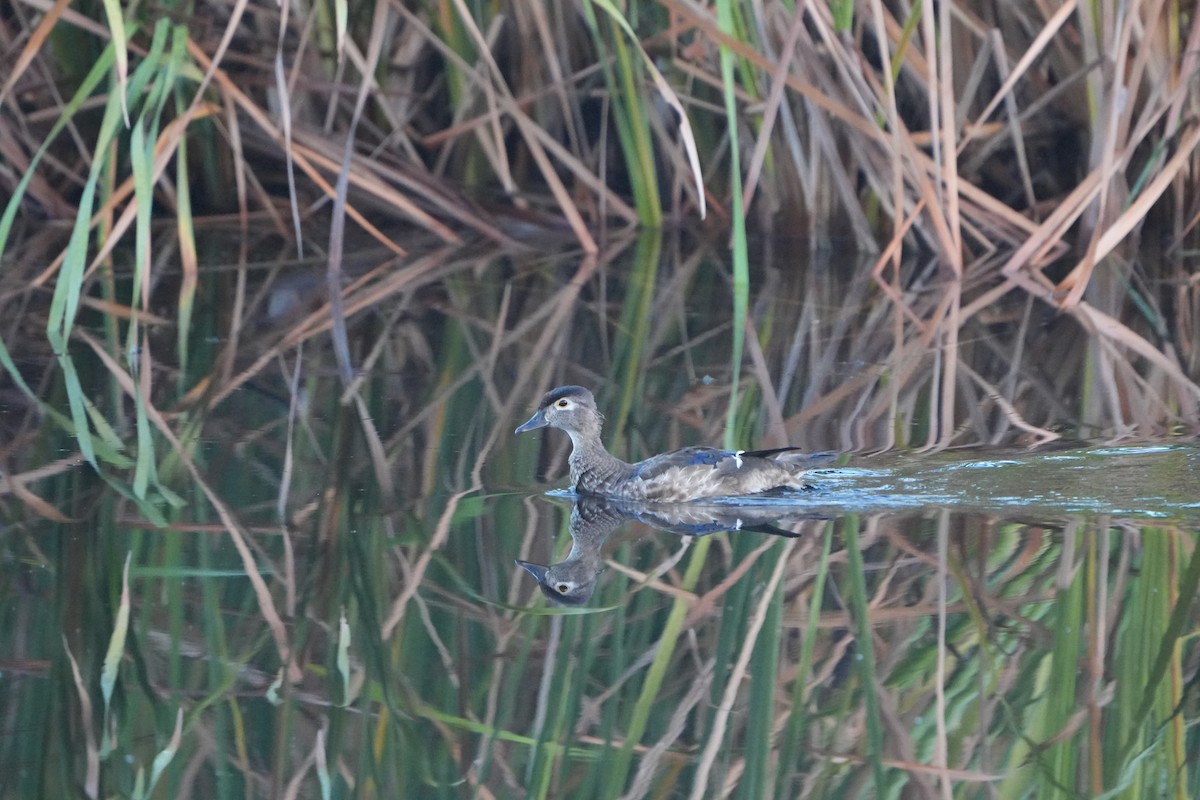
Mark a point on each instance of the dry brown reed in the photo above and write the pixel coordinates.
(848, 366)
(1040, 156)
(965, 130)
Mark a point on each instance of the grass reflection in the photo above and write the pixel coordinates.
(336, 610)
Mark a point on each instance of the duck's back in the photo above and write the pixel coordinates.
(695, 473)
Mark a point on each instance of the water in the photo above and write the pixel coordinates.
(947, 611)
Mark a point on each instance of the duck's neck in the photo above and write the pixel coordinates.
(592, 522)
(593, 469)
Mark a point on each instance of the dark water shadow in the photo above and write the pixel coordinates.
(338, 596)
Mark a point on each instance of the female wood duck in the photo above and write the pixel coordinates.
(571, 581)
(680, 476)
(593, 519)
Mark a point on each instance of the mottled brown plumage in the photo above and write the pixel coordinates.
(573, 580)
(680, 476)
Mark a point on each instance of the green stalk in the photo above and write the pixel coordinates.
(789, 753)
(619, 768)
(866, 651)
(842, 12)
(629, 112)
(741, 259)
(1159, 617)
(764, 667)
(636, 316)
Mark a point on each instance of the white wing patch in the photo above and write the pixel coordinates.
(737, 458)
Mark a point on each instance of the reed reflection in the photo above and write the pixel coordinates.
(573, 580)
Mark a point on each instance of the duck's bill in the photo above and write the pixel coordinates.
(538, 420)
(536, 570)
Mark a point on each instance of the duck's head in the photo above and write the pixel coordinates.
(568, 408)
(569, 583)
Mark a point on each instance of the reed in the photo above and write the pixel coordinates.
(999, 141)
(310, 467)
(972, 129)
(842, 662)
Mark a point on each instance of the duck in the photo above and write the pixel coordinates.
(572, 581)
(679, 476)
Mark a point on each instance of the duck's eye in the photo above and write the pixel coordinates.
(563, 588)
(564, 403)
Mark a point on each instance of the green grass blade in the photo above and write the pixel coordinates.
(116, 28)
(343, 656)
(1152, 603)
(618, 771)
(116, 649)
(866, 651)
(741, 259)
(647, 178)
(790, 752)
(764, 667)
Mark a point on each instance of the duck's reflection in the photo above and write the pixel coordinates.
(593, 519)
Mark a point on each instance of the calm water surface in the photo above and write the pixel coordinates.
(976, 599)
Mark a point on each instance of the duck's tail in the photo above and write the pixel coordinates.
(795, 459)
(798, 463)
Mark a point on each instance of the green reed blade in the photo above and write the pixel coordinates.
(1153, 601)
(563, 698)
(161, 760)
(64, 303)
(764, 667)
(82, 94)
(856, 575)
(790, 755)
(629, 345)
(343, 656)
(741, 258)
(1035, 763)
(629, 109)
(114, 653)
(141, 158)
(116, 29)
(147, 72)
(905, 41)
(75, 403)
(186, 231)
(619, 766)
(842, 12)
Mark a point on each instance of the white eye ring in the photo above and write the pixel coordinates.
(563, 403)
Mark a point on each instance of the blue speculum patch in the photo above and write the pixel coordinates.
(708, 456)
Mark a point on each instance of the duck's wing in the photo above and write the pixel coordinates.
(770, 453)
(792, 455)
(718, 523)
(686, 458)
(701, 520)
(722, 460)
(683, 476)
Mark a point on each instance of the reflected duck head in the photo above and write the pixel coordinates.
(568, 408)
(565, 583)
